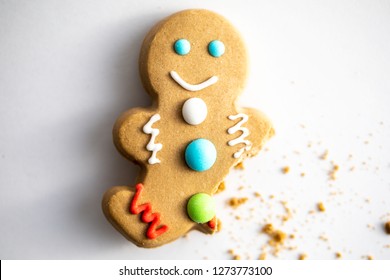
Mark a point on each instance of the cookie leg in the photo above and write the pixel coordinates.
(116, 207)
(135, 220)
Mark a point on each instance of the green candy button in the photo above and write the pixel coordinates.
(201, 208)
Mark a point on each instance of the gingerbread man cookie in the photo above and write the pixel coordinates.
(193, 64)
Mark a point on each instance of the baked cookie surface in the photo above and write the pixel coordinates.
(194, 66)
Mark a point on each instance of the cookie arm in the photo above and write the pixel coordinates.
(129, 136)
(260, 128)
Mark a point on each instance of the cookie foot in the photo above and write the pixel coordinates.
(135, 222)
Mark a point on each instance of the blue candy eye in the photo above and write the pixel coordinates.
(182, 47)
(216, 48)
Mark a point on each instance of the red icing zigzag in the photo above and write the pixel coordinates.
(147, 215)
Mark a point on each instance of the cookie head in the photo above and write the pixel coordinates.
(193, 51)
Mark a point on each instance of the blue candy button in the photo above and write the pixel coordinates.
(182, 47)
(216, 48)
(200, 154)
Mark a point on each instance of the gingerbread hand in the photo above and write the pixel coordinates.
(194, 65)
(133, 123)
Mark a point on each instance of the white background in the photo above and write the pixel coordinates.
(319, 69)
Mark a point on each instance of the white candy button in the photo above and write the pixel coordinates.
(194, 111)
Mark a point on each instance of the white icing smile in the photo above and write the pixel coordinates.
(212, 80)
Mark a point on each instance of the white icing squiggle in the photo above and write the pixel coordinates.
(152, 146)
(212, 80)
(241, 138)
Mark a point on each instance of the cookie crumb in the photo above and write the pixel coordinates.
(278, 237)
(221, 187)
(262, 256)
(268, 229)
(219, 225)
(369, 257)
(303, 174)
(234, 255)
(239, 166)
(235, 202)
(333, 171)
(288, 211)
(302, 257)
(370, 226)
(387, 227)
(324, 156)
(258, 195)
(320, 207)
(338, 255)
(323, 238)
(285, 169)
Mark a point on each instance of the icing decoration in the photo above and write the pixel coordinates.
(200, 155)
(201, 208)
(147, 215)
(216, 48)
(152, 146)
(182, 47)
(194, 111)
(212, 223)
(212, 80)
(241, 138)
